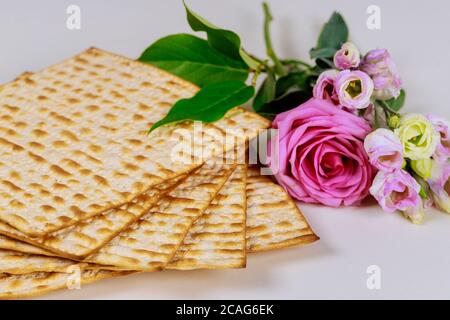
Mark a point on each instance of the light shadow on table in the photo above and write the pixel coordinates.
(196, 284)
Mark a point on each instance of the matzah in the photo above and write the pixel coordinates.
(151, 243)
(14, 262)
(217, 239)
(38, 283)
(73, 139)
(83, 238)
(273, 219)
(7, 243)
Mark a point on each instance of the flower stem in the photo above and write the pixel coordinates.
(375, 117)
(279, 69)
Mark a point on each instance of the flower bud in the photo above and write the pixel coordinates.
(394, 121)
(379, 65)
(347, 57)
(422, 167)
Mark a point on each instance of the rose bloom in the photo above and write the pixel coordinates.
(320, 156)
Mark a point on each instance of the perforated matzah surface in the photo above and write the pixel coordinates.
(273, 219)
(38, 283)
(19, 263)
(151, 242)
(217, 238)
(84, 237)
(7, 243)
(73, 139)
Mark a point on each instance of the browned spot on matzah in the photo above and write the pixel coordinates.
(92, 108)
(101, 181)
(59, 171)
(11, 186)
(69, 135)
(36, 157)
(36, 145)
(48, 209)
(60, 144)
(259, 228)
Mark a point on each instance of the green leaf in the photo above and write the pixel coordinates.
(395, 104)
(286, 93)
(267, 115)
(224, 41)
(293, 80)
(284, 103)
(191, 58)
(322, 53)
(266, 92)
(334, 33)
(209, 104)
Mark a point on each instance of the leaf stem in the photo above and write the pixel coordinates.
(269, 48)
(262, 64)
(257, 72)
(259, 60)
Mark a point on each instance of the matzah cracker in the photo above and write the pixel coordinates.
(85, 237)
(14, 262)
(39, 283)
(217, 239)
(73, 139)
(273, 219)
(7, 243)
(152, 242)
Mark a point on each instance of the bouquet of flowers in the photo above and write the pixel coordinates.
(350, 140)
(340, 134)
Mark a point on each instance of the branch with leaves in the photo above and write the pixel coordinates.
(228, 75)
(221, 67)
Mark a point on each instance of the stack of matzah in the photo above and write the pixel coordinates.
(85, 194)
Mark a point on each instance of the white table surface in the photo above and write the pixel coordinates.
(414, 260)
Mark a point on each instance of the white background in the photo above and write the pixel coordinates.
(414, 260)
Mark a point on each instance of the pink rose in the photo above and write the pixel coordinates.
(321, 157)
